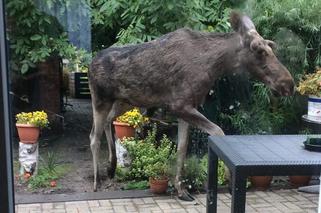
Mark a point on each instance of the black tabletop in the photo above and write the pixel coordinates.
(264, 150)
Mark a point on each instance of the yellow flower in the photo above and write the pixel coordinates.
(133, 118)
(37, 118)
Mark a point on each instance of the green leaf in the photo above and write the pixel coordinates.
(24, 68)
(35, 37)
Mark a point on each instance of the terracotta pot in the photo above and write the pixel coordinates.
(261, 182)
(28, 133)
(297, 181)
(123, 130)
(158, 186)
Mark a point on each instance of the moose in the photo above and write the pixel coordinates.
(176, 72)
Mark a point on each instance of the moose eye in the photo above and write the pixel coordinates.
(261, 52)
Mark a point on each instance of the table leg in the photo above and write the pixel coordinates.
(238, 193)
(211, 202)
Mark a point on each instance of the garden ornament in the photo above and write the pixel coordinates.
(176, 72)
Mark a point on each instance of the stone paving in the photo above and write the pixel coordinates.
(278, 201)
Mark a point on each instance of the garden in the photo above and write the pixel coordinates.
(45, 40)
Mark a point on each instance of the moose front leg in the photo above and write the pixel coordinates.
(195, 118)
(181, 155)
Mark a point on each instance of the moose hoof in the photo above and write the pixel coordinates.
(185, 196)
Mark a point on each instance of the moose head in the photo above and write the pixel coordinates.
(258, 58)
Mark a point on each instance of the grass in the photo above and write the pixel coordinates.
(44, 177)
(49, 170)
(136, 185)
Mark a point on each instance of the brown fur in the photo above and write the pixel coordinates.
(176, 71)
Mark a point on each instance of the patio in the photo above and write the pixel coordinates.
(276, 201)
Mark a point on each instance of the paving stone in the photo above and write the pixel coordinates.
(278, 201)
(148, 200)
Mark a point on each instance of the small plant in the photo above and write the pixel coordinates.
(42, 179)
(148, 159)
(51, 163)
(310, 84)
(133, 118)
(195, 172)
(49, 171)
(136, 185)
(37, 118)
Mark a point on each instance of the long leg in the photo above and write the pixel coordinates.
(183, 127)
(118, 108)
(192, 116)
(195, 118)
(99, 118)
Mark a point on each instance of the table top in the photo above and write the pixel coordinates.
(264, 150)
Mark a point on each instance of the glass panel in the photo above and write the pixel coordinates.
(165, 71)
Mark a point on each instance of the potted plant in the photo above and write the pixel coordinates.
(310, 85)
(126, 123)
(261, 182)
(298, 180)
(158, 177)
(28, 125)
(151, 159)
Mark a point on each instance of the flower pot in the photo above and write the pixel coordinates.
(314, 108)
(158, 186)
(28, 133)
(123, 130)
(261, 182)
(298, 181)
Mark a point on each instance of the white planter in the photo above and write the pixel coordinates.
(314, 107)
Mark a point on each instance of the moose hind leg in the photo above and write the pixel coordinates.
(181, 155)
(99, 117)
(118, 108)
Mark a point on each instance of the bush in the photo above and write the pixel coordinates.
(148, 158)
(195, 172)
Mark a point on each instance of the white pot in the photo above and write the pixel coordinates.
(314, 106)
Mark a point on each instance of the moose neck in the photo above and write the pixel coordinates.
(224, 55)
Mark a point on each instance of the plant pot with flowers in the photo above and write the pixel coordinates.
(126, 123)
(29, 124)
(310, 85)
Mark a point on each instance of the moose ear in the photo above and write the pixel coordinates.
(272, 44)
(241, 23)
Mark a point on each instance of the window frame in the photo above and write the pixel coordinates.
(6, 168)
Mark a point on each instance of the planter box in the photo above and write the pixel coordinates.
(78, 85)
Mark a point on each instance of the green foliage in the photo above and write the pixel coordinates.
(35, 35)
(132, 21)
(49, 170)
(136, 185)
(51, 163)
(148, 158)
(120, 173)
(42, 179)
(195, 172)
(302, 17)
(263, 114)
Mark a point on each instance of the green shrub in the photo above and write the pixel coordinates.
(148, 159)
(195, 172)
(48, 171)
(136, 185)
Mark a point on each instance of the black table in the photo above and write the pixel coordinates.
(257, 155)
